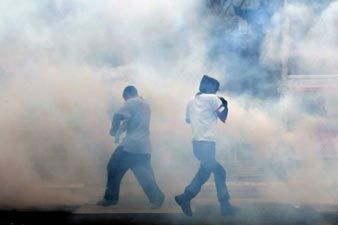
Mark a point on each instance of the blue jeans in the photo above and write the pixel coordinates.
(205, 152)
(119, 163)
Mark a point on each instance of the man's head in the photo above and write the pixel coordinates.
(208, 85)
(129, 92)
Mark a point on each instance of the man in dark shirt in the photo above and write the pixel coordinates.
(134, 152)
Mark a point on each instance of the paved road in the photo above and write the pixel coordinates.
(133, 210)
(207, 213)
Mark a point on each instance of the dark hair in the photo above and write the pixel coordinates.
(208, 85)
(130, 91)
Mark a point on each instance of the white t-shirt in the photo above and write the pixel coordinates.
(201, 112)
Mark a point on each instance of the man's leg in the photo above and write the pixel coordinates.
(202, 153)
(197, 182)
(222, 190)
(145, 176)
(205, 153)
(116, 169)
(220, 182)
(192, 190)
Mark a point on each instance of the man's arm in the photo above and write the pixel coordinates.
(122, 128)
(187, 113)
(122, 114)
(222, 111)
(116, 123)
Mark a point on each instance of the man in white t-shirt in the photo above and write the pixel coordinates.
(202, 113)
(134, 152)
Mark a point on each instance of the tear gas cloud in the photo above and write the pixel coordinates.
(64, 65)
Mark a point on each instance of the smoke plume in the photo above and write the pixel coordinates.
(64, 65)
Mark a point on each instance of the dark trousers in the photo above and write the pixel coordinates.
(119, 163)
(205, 152)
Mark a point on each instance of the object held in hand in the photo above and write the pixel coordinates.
(222, 111)
(224, 102)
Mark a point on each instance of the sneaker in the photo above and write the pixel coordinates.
(158, 203)
(227, 209)
(106, 203)
(182, 201)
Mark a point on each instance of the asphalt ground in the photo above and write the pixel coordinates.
(204, 213)
(133, 210)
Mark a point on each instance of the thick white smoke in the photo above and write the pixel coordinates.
(309, 42)
(64, 64)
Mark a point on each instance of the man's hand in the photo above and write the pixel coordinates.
(224, 102)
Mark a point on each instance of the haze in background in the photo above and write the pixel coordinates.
(64, 65)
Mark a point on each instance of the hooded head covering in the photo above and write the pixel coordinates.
(208, 85)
